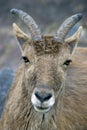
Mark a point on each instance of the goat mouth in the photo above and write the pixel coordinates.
(42, 109)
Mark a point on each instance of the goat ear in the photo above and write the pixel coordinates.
(73, 40)
(21, 36)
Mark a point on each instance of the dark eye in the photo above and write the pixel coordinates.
(26, 60)
(67, 62)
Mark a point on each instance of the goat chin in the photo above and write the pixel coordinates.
(41, 109)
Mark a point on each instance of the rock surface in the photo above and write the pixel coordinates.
(6, 79)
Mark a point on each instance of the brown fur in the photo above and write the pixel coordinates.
(46, 67)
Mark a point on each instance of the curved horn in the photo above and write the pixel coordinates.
(66, 26)
(31, 24)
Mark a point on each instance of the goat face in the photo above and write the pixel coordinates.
(49, 68)
(46, 60)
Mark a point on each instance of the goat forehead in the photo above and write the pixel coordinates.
(53, 59)
(47, 46)
(43, 54)
(46, 61)
(46, 67)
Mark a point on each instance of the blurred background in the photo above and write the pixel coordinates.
(48, 14)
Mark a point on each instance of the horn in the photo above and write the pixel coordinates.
(31, 24)
(66, 26)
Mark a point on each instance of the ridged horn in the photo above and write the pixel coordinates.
(66, 26)
(29, 21)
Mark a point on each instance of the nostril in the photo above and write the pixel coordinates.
(47, 96)
(38, 95)
(43, 97)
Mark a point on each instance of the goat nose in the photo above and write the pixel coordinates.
(43, 96)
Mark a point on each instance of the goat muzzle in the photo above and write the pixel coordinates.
(42, 99)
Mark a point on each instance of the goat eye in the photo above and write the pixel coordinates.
(67, 62)
(26, 60)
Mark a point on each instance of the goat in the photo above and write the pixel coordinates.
(50, 87)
